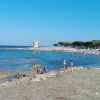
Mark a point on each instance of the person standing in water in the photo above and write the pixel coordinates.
(71, 63)
(45, 69)
(64, 64)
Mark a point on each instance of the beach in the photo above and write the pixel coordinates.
(76, 83)
(67, 85)
(49, 49)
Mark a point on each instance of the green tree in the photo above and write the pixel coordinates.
(55, 44)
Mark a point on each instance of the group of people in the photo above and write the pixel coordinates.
(40, 71)
(45, 70)
(65, 65)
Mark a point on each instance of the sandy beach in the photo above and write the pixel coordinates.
(49, 49)
(76, 85)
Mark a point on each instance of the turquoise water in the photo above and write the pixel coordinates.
(22, 60)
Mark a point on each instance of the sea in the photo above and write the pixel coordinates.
(23, 60)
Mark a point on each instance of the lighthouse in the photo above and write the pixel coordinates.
(36, 44)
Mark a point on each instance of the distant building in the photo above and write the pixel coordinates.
(36, 44)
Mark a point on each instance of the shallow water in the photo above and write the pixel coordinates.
(22, 60)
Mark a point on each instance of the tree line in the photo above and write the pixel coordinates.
(80, 44)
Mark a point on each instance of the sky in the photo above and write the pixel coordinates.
(48, 21)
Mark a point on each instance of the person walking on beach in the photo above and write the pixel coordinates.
(64, 64)
(71, 63)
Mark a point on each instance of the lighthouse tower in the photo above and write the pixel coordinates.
(36, 44)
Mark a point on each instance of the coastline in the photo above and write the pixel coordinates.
(39, 77)
(5, 74)
(64, 49)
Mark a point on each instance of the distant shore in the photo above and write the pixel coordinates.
(64, 49)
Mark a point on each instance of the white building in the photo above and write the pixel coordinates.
(36, 44)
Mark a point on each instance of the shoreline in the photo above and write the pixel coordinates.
(7, 72)
(39, 77)
(4, 73)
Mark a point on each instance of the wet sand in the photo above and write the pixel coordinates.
(7, 72)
